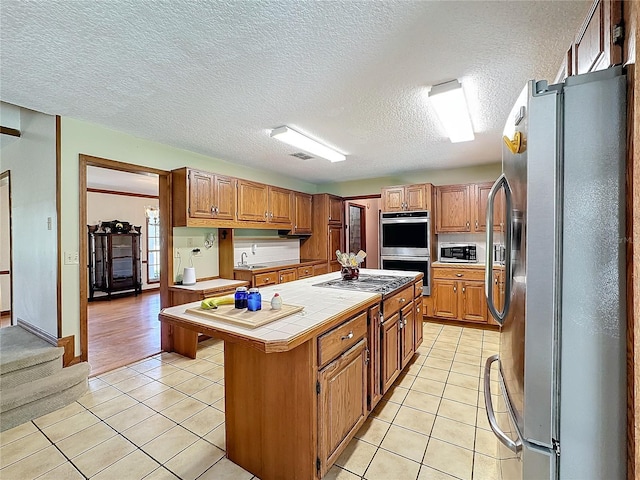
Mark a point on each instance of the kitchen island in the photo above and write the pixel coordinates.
(299, 388)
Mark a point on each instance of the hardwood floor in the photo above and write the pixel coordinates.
(123, 330)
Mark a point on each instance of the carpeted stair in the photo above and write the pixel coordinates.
(32, 380)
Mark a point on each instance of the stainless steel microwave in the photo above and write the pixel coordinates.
(458, 253)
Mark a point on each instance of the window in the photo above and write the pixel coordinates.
(153, 245)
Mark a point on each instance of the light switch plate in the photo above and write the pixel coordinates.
(71, 258)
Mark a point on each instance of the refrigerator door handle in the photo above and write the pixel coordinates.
(501, 182)
(514, 446)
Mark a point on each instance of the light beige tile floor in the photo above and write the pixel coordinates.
(163, 418)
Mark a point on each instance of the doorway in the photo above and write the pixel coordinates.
(125, 329)
(357, 229)
(6, 296)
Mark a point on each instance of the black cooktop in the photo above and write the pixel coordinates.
(369, 283)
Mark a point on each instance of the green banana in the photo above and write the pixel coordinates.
(214, 302)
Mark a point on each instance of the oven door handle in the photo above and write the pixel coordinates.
(501, 183)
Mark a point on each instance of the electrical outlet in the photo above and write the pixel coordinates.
(71, 258)
(176, 253)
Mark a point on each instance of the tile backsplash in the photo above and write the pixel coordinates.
(266, 250)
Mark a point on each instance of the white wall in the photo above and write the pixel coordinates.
(266, 250)
(185, 240)
(107, 207)
(5, 262)
(31, 159)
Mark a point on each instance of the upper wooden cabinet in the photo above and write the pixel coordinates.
(406, 197)
(200, 197)
(302, 205)
(453, 208)
(336, 210)
(480, 208)
(598, 44)
(253, 201)
(280, 205)
(462, 208)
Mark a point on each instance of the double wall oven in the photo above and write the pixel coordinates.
(405, 243)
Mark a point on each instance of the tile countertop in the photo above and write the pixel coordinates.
(282, 263)
(322, 305)
(206, 285)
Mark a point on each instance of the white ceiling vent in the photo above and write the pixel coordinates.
(302, 156)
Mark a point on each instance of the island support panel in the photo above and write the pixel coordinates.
(271, 410)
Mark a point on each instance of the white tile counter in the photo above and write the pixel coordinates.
(321, 306)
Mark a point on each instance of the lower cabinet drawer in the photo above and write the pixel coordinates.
(288, 275)
(397, 301)
(341, 338)
(304, 272)
(263, 279)
(459, 273)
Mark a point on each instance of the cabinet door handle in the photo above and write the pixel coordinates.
(467, 224)
(295, 227)
(495, 281)
(476, 224)
(266, 214)
(418, 309)
(455, 289)
(213, 210)
(266, 279)
(459, 274)
(281, 277)
(347, 337)
(462, 289)
(405, 321)
(402, 300)
(271, 215)
(307, 271)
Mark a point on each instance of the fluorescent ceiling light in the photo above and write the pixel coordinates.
(286, 135)
(451, 107)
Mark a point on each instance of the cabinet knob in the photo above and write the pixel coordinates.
(402, 300)
(281, 277)
(418, 309)
(266, 279)
(495, 281)
(266, 214)
(459, 274)
(476, 224)
(455, 289)
(347, 337)
(295, 226)
(213, 210)
(271, 215)
(467, 224)
(462, 289)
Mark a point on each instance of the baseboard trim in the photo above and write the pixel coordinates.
(68, 343)
(38, 332)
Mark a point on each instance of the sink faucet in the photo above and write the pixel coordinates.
(243, 258)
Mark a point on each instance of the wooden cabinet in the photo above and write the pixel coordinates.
(373, 384)
(328, 230)
(418, 334)
(498, 293)
(453, 208)
(253, 201)
(406, 197)
(114, 261)
(302, 213)
(341, 387)
(287, 275)
(280, 206)
(480, 208)
(263, 203)
(407, 317)
(596, 46)
(273, 276)
(463, 208)
(342, 403)
(200, 197)
(336, 210)
(458, 294)
(390, 351)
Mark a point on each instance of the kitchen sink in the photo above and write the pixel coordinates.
(251, 267)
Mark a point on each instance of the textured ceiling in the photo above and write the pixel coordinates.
(214, 77)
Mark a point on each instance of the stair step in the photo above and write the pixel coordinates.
(25, 357)
(31, 400)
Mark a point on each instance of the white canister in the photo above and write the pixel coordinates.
(189, 276)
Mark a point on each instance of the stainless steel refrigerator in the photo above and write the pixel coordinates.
(555, 395)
